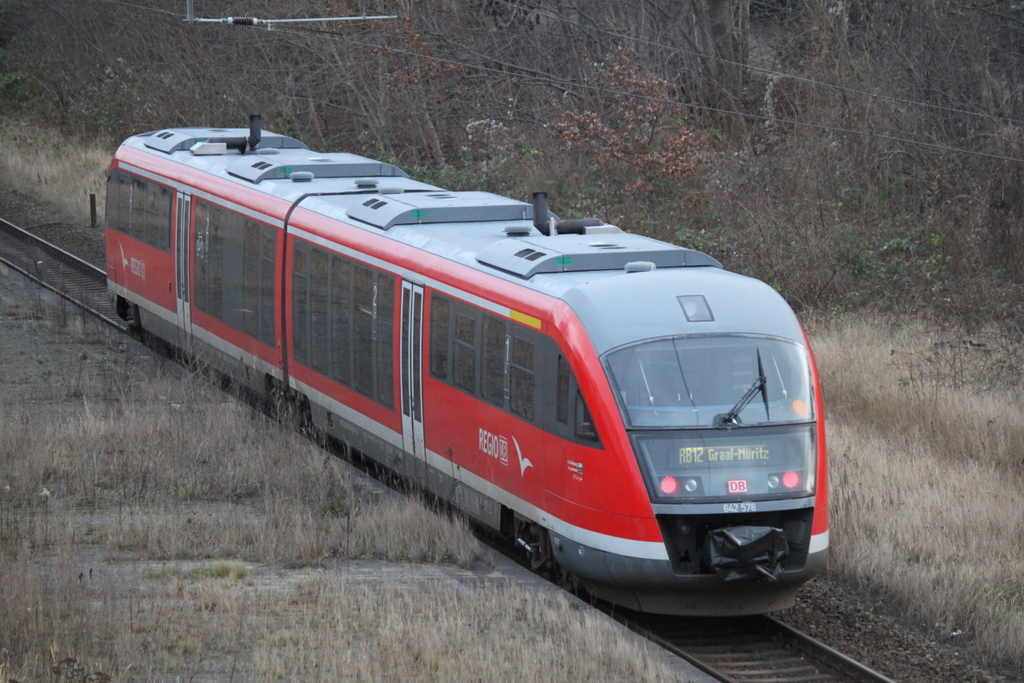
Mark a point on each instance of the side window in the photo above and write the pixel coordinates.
(113, 186)
(251, 278)
(268, 281)
(562, 391)
(158, 216)
(363, 330)
(341, 320)
(216, 262)
(464, 353)
(300, 312)
(492, 378)
(201, 296)
(385, 325)
(318, 330)
(584, 425)
(440, 323)
(258, 253)
(521, 379)
(137, 201)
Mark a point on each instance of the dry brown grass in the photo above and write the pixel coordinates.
(928, 475)
(47, 165)
(153, 528)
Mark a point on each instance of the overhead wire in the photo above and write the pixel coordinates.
(570, 84)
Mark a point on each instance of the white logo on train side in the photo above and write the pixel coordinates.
(136, 266)
(497, 447)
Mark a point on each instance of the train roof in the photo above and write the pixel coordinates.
(623, 286)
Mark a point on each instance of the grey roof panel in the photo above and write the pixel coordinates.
(626, 308)
(527, 256)
(256, 168)
(177, 139)
(386, 211)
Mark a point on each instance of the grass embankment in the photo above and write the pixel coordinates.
(45, 164)
(151, 528)
(927, 455)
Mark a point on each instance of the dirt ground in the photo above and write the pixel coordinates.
(848, 620)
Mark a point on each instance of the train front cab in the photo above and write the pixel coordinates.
(726, 430)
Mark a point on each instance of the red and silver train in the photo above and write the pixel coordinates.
(632, 415)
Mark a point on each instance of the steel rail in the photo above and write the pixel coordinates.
(757, 649)
(76, 281)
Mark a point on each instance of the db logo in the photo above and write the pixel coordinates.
(737, 485)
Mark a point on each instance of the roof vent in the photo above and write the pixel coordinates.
(517, 231)
(530, 254)
(366, 183)
(301, 176)
(639, 267)
(201, 149)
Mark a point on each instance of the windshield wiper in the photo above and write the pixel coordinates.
(732, 418)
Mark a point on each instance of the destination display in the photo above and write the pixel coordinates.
(707, 465)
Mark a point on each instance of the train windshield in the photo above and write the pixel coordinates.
(713, 381)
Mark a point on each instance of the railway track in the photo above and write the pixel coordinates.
(750, 650)
(739, 650)
(63, 273)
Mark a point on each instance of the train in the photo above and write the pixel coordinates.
(637, 420)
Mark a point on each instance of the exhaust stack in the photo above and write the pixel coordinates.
(255, 130)
(541, 221)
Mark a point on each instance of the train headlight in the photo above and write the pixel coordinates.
(691, 485)
(791, 480)
(773, 482)
(669, 485)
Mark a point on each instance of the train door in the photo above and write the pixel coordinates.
(412, 380)
(181, 262)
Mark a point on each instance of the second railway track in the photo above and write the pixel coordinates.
(736, 650)
(70, 277)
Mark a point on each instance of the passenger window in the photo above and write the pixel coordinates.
(464, 353)
(113, 185)
(384, 326)
(492, 381)
(439, 327)
(521, 379)
(300, 313)
(268, 260)
(363, 328)
(137, 201)
(562, 391)
(341, 320)
(318, 341)
(215, 263)
(584, 427)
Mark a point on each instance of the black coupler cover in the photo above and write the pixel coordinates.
(745, 553)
